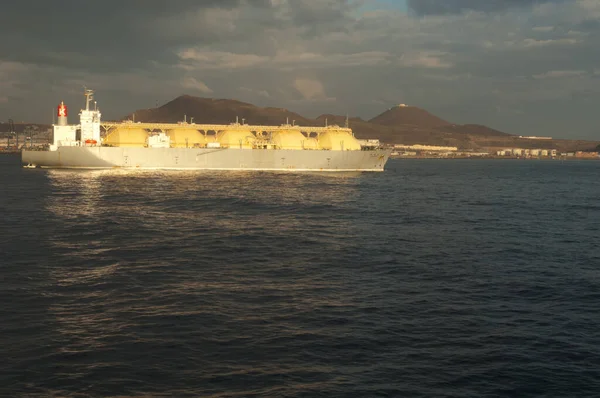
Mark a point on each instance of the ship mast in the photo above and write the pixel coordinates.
(89, 96)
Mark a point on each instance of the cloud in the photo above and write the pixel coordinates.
(461, 59)
(543, 28)
(220, 59)
(311, 90)
(577, 33)
(195, 58)
(428, 60)
(551, 42)
(260, 93)
(432, 7)
(193, 84)
(12, 78)
(556, 74)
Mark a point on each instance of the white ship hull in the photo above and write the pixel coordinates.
(97, 157)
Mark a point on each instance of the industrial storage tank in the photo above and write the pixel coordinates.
(311, 143)
(126, 137)
(338, 140)
(236, 138)
(289, 139)
(186, 138)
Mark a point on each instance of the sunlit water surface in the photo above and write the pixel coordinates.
(434, 278)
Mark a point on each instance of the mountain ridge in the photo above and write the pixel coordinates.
(397, 125)
(408, 116)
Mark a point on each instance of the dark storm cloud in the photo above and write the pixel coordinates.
(318, 13)
(312, 56)
(427, 7)
(77, 11)
(116, 33)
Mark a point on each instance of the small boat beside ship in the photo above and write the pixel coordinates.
(92, 144)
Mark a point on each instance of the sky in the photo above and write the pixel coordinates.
(526, 67)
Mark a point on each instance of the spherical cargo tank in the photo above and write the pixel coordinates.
(236, 138)
(290, 139)
(311, 143)
(186, 138)
(127, 137)
(338, 140)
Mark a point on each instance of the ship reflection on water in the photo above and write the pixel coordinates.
(193, 252)
(100, 195)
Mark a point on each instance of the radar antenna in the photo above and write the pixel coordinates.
(89, 96)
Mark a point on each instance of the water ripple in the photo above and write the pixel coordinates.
(436, 278)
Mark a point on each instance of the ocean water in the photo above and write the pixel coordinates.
(454, 278)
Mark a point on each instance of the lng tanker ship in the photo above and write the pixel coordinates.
(92, 144)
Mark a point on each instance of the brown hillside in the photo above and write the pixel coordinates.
(405, 134)
(408, 116)
(399, 125)
(361, 129)
(473, 129)
(218, 111)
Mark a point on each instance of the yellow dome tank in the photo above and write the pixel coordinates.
(127, 137)
(289, 139)
(311, 143)
(338, 140)
(186, 138)
(235, 138)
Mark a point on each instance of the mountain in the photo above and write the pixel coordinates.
(399, 125)
(403, 115)
(217, 111)
(473, 129)
(361, 128)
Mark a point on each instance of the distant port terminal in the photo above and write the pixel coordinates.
(428, 151)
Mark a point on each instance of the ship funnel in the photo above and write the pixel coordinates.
(62, 113)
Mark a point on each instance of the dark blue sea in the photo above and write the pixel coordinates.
(436, 278)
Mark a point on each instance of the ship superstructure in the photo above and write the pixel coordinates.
(236, 146)
(87, 132)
